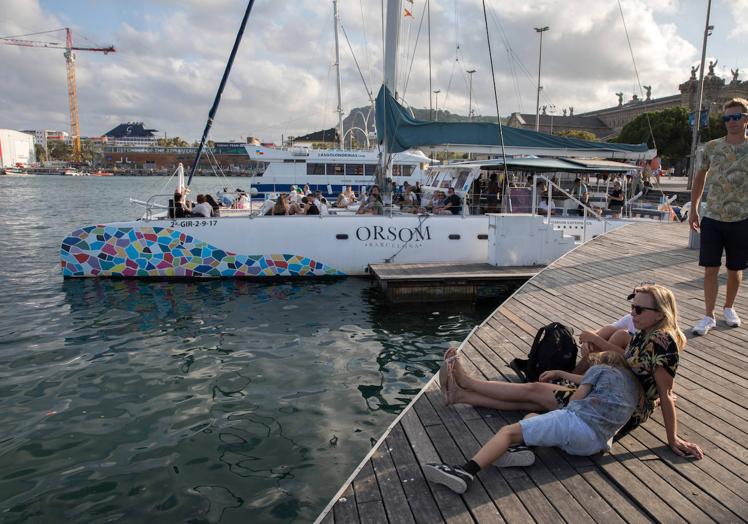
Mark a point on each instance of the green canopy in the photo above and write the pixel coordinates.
(401, 132)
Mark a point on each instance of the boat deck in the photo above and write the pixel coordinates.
(641, 480)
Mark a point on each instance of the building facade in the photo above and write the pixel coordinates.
(609, 121)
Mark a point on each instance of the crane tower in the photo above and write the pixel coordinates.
(68, 48)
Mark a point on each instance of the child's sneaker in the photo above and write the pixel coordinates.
(454, 477)
(516, 457)
(731, 317)
(703, 326)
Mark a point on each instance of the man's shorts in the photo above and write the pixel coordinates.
(730, 237)
(563, 429)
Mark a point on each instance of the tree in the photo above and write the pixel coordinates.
(59, 150)
(577, 133)
(714, 129)
(670, 130)
(40, 153)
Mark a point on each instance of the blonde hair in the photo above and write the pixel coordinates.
(736, 102)
(664, 302)
(609, 358)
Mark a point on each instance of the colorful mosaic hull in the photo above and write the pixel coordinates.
(109, 251)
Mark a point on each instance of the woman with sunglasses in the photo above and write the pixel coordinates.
(724, 226)
(652, 354)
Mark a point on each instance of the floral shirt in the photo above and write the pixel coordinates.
(645, 353)
(727, 180)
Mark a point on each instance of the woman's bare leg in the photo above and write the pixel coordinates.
(465, 396)
(538, 394)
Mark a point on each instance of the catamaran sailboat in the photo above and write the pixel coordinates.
(341, 244)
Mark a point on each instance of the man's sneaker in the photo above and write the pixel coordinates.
(703, 326)
(731, 317)
(454, 477)
(516, 457)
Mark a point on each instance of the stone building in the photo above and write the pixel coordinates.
(609, 121)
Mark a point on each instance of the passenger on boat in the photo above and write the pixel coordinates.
(438, 203)
(342, 201)
(492, 194)
(372, 207)
(281, 206)
(181, 206)
(409, 203)
(653, 354)
(225, 199)
(324, 209)
(311, 206)
(418, 192)
(215, 208)
(376, 193)
(579, 191)
(202, 208)
(453, 203)
(615, 200)
(243, 201)
(307, 191)
(604, 399)
(350, 195)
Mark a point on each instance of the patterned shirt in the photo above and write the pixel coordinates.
(727, 180)
(645, 354)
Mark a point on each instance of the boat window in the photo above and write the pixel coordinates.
(407, 170)
(431, 178)
(335, 169)
(354, 169)
(461, 178)
(315, 169)
(395, 169)
(370, 169)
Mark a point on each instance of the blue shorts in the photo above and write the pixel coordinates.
(563, 429)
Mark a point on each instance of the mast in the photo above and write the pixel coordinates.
(699, 96)
(221, 87)
(337, 71)
(391, 41)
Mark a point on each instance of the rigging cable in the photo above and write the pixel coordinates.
(636, 71)
(495, 94)
(366, 42)
(369, 94)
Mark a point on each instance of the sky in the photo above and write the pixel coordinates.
(171, 55)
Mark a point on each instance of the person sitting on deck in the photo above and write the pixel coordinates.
(604, 400)
(181, 206)
(225, 199)
(202, 208)
(243, 201)
(350, 195)
(453, 203)
(653, 355)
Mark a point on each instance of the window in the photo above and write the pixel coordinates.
(407, 170)
(315, 169)
(336, 169)
(370, 169)
(354, 169)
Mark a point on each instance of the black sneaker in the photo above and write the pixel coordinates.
(516, 457)
(454, 477)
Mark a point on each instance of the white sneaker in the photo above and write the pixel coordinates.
(731, 317)
(516, 457)
(703, 326)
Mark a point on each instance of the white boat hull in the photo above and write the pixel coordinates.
(270, 246)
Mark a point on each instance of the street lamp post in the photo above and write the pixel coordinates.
(552, 111)
(540, 30)
(470, 95)
(436, 104)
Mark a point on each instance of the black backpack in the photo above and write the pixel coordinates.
(553, 348)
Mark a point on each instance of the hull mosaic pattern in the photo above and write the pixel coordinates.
(107, 251)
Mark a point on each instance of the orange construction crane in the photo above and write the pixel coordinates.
(70, 66)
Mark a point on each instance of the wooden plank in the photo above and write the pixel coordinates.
(345, 508)
(395, 503)
(365, 485)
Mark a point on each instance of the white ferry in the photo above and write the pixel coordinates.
(329, 170)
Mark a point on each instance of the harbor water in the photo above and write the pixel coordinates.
(216, 401)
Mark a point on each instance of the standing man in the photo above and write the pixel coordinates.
(579, 190)
(725, 223)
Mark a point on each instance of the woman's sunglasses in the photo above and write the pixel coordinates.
(735, 116)
(639, 309)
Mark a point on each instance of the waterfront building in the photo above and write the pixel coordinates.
(16, 149)
(132, 134)
(608, 121)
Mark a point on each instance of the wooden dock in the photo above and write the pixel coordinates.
(641, 480)
(437, 282)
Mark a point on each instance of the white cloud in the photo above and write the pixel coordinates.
(169, 62)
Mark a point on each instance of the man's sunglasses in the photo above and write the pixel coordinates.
(735, 116)
(638, 309)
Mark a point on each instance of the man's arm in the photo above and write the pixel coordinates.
(697, 190)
